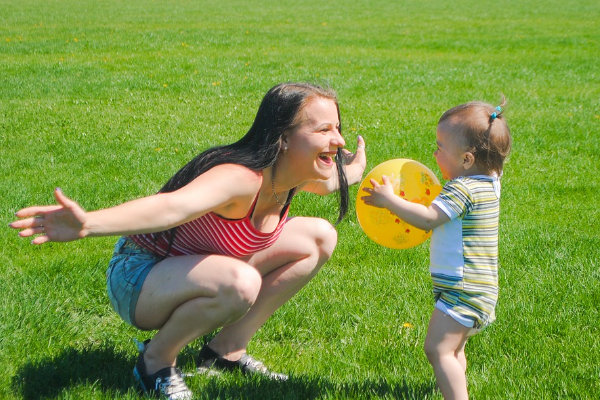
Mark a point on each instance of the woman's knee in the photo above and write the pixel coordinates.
(242, 289)
(325, 237)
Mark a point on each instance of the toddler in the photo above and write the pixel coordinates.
(473, 141)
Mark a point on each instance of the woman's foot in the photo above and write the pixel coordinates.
(208, 360)
(166, 383)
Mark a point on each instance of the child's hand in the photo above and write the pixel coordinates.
(381, 194)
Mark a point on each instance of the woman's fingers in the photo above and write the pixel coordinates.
(64, 200)
(31, 231)
(36, 211)
(360, 146)
(40, 220)
(40, 239)
(33, 222)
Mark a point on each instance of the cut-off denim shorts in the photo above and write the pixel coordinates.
(127, 271)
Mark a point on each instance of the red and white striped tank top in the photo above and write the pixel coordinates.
(213, 234)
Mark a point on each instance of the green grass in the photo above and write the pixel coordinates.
(108, 99)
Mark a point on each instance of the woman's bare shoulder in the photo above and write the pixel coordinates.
(231, 180)
(236, 173)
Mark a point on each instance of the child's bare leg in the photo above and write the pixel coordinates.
(444, 346)
(460, 356)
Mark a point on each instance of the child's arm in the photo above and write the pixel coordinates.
(417, 215)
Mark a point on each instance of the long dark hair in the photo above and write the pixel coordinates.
(278, 113)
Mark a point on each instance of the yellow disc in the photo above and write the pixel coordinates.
(412, 181)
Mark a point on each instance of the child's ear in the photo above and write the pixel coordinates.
(468, 160)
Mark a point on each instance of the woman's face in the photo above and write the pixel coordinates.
(313, 144)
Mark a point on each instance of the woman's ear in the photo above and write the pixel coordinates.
(468, 160)
(284, 144)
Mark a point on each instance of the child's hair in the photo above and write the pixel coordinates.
(484, 131)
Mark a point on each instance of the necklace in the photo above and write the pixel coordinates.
(275, 193)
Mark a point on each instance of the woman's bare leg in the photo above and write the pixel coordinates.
(189, 296)
(286, 267)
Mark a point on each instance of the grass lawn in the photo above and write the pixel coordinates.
(108, 99)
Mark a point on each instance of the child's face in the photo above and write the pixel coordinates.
(450, 153)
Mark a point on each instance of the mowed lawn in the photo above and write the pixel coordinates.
(106, 100)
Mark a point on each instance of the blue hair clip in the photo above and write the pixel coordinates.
(494, 114)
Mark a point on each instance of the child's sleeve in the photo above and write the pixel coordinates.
(455, 199)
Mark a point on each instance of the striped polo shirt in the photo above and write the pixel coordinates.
(213, 234)
(464, 251)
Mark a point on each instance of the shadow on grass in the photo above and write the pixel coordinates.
(305, 388)
(110, 373)
(101, 368)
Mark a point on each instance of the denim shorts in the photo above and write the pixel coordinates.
(127, 271)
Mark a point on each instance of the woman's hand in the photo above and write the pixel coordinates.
(355, 162)
(61, 223)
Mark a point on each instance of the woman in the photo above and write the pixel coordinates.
(215, 247)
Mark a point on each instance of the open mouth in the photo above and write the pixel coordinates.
(326, 158)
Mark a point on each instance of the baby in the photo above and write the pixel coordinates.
(473, 140)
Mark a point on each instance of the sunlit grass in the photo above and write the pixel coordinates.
(108, 99)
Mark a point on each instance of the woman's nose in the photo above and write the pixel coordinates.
(338, 139)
